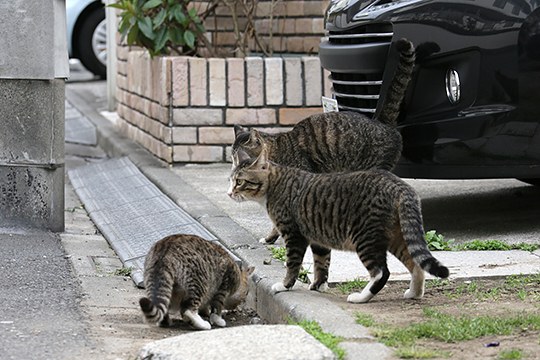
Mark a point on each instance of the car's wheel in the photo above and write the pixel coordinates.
(535, 182)
(92, 43)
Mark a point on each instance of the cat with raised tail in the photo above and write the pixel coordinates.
(369, 212)
(193, 276)
(338, 141)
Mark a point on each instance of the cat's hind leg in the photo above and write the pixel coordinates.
(373, 256)
(379, 277)
(398, 248)
(321, 260)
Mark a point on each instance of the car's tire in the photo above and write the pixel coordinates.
(535, 182)
(91, 43)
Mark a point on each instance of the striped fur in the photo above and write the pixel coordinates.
(368, 212)
(338, 141)
(192, 275)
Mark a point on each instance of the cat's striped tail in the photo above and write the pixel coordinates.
(410, 219)
(153, 313)
(396, 91)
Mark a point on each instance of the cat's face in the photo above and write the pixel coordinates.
(251, 142)
(241, 293)
(249, 177)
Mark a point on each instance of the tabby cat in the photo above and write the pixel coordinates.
(369, 212)
(338, 141)
(192, 275)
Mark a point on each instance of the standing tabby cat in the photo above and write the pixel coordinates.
(189, 274)
(338, 141)
(369, 212)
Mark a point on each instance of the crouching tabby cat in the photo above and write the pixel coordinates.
(338, 141)
(194, 276)
(369, 212)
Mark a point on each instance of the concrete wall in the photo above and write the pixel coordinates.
(33, 68)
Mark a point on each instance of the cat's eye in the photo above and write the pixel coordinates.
(240, 182)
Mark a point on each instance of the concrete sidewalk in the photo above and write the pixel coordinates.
(200, 190)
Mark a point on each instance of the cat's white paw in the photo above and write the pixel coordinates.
(196, 320)
(278, 287)
(217, 320)
(359, 298)
(410, 294)
(321, 288)
(262, 240)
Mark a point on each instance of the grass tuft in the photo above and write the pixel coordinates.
(510, 354)
(278, 252)
(364, 319)
(350, 286)
(329, 340)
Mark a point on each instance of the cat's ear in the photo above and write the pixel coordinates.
(239, 130)
(262, 159)
(240, 156)
(256, 137)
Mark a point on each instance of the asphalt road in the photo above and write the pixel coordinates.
(495, 209)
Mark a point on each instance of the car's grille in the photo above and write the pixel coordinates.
(357, 91)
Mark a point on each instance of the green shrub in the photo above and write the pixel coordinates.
(160, 25)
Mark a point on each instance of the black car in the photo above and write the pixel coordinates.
(472, 109)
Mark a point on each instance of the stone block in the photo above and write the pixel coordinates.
(197, 153)
(180, 81)
(198, 79)
(314, 8)
(235, 82)
(313, 79)
(311, 44)
(255, 81)
(273, 70)
(32, 121)
(290, 116)
(327, 84)
(184, 135)
(32, 197)
(197, 117)
(294, 83)
(247, 116)
(217, 86)
(216, 135)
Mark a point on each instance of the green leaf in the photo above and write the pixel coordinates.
(132, 35)
(193, 13)
(124, 25)
(145, 25)
(160, 18)
(151, 4)
(161, 39)
(189, 37)
(117, 6)
(176, 36)
(179, 15)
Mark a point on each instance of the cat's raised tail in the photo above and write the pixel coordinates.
(412, 230)
(396, 91)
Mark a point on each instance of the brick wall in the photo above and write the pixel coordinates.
(286, 26)
(183, 109)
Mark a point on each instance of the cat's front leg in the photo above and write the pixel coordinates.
(296, 248)
(271, 238)
(217, 320)
(195, 319)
